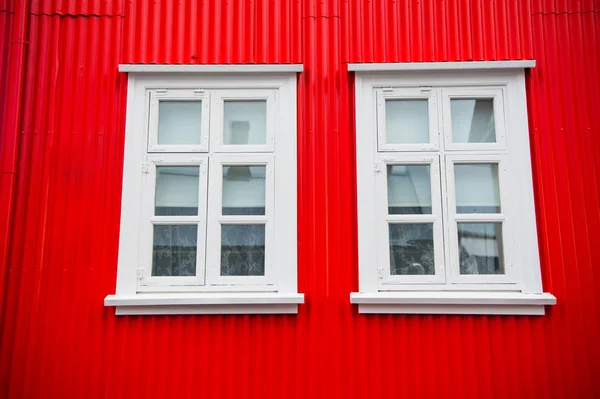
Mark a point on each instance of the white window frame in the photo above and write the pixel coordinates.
(137, 292)
(158, 95)
(519, 290)
(413, 93)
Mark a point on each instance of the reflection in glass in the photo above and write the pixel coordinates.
(174, 252)
(407, 121)
(411, 248)
(473, 120)
(244, 190)
(242, 250)
(480, 248)
(176, 191)
(179, 122)
(477, 188)
(409, 189)
(245, 122)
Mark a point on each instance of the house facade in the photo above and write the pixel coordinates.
(383, 198)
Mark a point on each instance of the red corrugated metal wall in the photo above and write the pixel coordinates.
(57, 339)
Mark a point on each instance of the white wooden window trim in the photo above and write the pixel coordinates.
(417, 93)
(479, 294)
(138, 292)
(158, 95)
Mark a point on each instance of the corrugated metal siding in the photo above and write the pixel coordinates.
(57, 340)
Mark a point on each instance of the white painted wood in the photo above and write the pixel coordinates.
(203, 299)
(366, 170)
(214, 68)
(440, 66)
(452, 302)
(383, 219)
(134, 278)
(206, 309)
(522, 310)
(216, 219)
(148, 220)
(496, 80)
(284, 253)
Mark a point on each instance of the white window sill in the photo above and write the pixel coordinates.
(205, 303)
(507, 303)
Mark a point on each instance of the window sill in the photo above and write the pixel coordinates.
(506, 303)
(204, 303)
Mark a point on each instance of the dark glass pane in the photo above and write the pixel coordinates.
(242, 249)
(174, 252)
(480, 248)
(411, 249)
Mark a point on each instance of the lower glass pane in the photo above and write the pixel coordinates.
(480, 248)
(242, 250)
(175, 250)
(411, 249)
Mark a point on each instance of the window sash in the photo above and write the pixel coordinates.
(216, 219)
(155, 96)
(148, 220)
(504, 217)
(383, 219)
(425, 93)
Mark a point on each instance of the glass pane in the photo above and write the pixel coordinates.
(477, 188)
(174, 252)
(407, 121)
(179, 122)
(245, 122)
(176, 190)
(242, 250)
(411, 248)
(409, 189)
(473, 121)
(480, 248)
(244, 190)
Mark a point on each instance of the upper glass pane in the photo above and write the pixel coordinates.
(411, 249)
(473, 120)
(176, 191)
(179, 122)
(174, 250)
(244, 190)
(406, 121)
(409, 189)
(245, 122)
(480, 248)
(477, 188)
(242, 250)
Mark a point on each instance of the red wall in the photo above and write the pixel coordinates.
(58, 340)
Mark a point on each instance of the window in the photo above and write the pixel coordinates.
(208, 219)
(445, 196)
